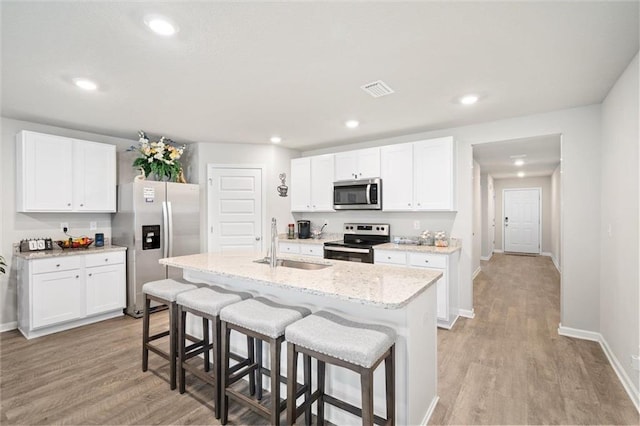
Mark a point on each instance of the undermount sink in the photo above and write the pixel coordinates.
(298, 264)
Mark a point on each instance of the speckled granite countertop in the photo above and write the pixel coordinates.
(282, 238)
(386, 286)
(68, 252)
(420, 249)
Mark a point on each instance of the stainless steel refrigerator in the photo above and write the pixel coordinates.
(155, 220)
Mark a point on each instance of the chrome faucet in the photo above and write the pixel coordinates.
(273, 248)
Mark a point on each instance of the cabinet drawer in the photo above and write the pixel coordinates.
(312, 250)
(428, 260)
(55, 264)
(289, 248)
(394, 257)
(102, 259)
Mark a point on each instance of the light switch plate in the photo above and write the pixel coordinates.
(93, 226)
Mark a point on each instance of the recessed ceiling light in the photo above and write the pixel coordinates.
(352, 124)
(519, 162)
(160, 26)
(275, 139)
(85, 84)
(520, 174)
(469, 99)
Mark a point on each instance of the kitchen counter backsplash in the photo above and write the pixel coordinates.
(68, 252)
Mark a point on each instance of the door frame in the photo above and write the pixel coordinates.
(504, 234)
(263, 208)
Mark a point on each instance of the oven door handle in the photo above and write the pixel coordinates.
(346, 249)
(368, 193)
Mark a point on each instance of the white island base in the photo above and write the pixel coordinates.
(416, 346)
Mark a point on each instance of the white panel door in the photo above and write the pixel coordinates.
(235, 209)
(522, 220)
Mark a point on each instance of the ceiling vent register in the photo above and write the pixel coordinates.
(377, 89)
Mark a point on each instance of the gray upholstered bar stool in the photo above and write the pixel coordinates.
(359, 347)
(206, 302)
(164, 292)
(266, 321)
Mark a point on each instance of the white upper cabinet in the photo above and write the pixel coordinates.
(397, 177)
(312, 183)
(418, 176)
(59, 174)
(359, 164)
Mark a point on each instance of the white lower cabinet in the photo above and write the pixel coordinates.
(304, 249)
(63, 292)
(447, 285)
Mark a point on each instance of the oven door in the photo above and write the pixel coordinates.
(350, 254)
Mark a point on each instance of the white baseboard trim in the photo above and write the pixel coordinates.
(432, 407)
(486, 258)
(627, 384)
(497, 251)
(467, 313)
(8, 326)
(546, 253)
(556, 263)
(476, 272)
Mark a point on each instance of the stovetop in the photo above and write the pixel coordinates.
(363, 235)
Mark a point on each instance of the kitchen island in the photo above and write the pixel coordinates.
(402, 298)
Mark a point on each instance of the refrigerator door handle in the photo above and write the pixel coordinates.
(165, 226)
(170, 215)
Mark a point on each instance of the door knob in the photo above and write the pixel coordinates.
(257, 238)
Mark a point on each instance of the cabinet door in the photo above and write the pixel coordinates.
(57, 297)
(105, 288)
(44, 172)
(94, 180)
(397, 177)
(346, 165)
(301, 184)
(322, 182)
(368, 163)
(434, 179)
(289, 247)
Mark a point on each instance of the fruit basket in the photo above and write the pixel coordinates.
(72, 243)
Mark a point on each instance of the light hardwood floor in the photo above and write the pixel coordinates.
(506, 366)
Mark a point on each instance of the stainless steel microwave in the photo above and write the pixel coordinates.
(361, 194)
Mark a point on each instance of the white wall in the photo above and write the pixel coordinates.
(477, 218)
(556, 226)
(16, 226)
(488, 215)
(276, 160)
(580, 129)
(543, 182)
(619, 252)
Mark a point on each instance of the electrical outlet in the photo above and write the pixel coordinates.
(64, 226)
(93, 226)
(416, 224)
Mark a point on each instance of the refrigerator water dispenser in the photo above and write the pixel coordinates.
(150, 237)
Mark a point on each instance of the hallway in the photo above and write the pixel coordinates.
(509, 365)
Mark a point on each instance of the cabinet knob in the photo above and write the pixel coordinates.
(426, 261)
(81, 205)
(90, 275)
(257, 238)
(359, 174)
(409, 204)
(418, 204)
(77, 276)
(106, 259)
(314, 206)
(389, 257)
(68, 204)
(57, 265)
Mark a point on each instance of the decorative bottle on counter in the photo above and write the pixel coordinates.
(291, 232)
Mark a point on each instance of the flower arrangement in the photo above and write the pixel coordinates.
(158, 157)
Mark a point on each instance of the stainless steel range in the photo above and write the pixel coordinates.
(358, 242)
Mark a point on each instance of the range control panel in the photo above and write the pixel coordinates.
(367, 228)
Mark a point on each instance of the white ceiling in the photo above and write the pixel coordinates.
(541, 156)
(243, 71)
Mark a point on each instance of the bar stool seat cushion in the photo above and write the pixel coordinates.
(263, 316)
(330, 334)
(166, 289)
(209, 300)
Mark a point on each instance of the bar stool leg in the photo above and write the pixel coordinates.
(366, 383)
(252, 359)
(145, 334)
(217, 361)
(275, 348)
(173, 342)
(224, 399)
(259, 370)
(205, 342)
(390, 378)
(182, 316)
(292, 383)
(307, 382)
(320, 410)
